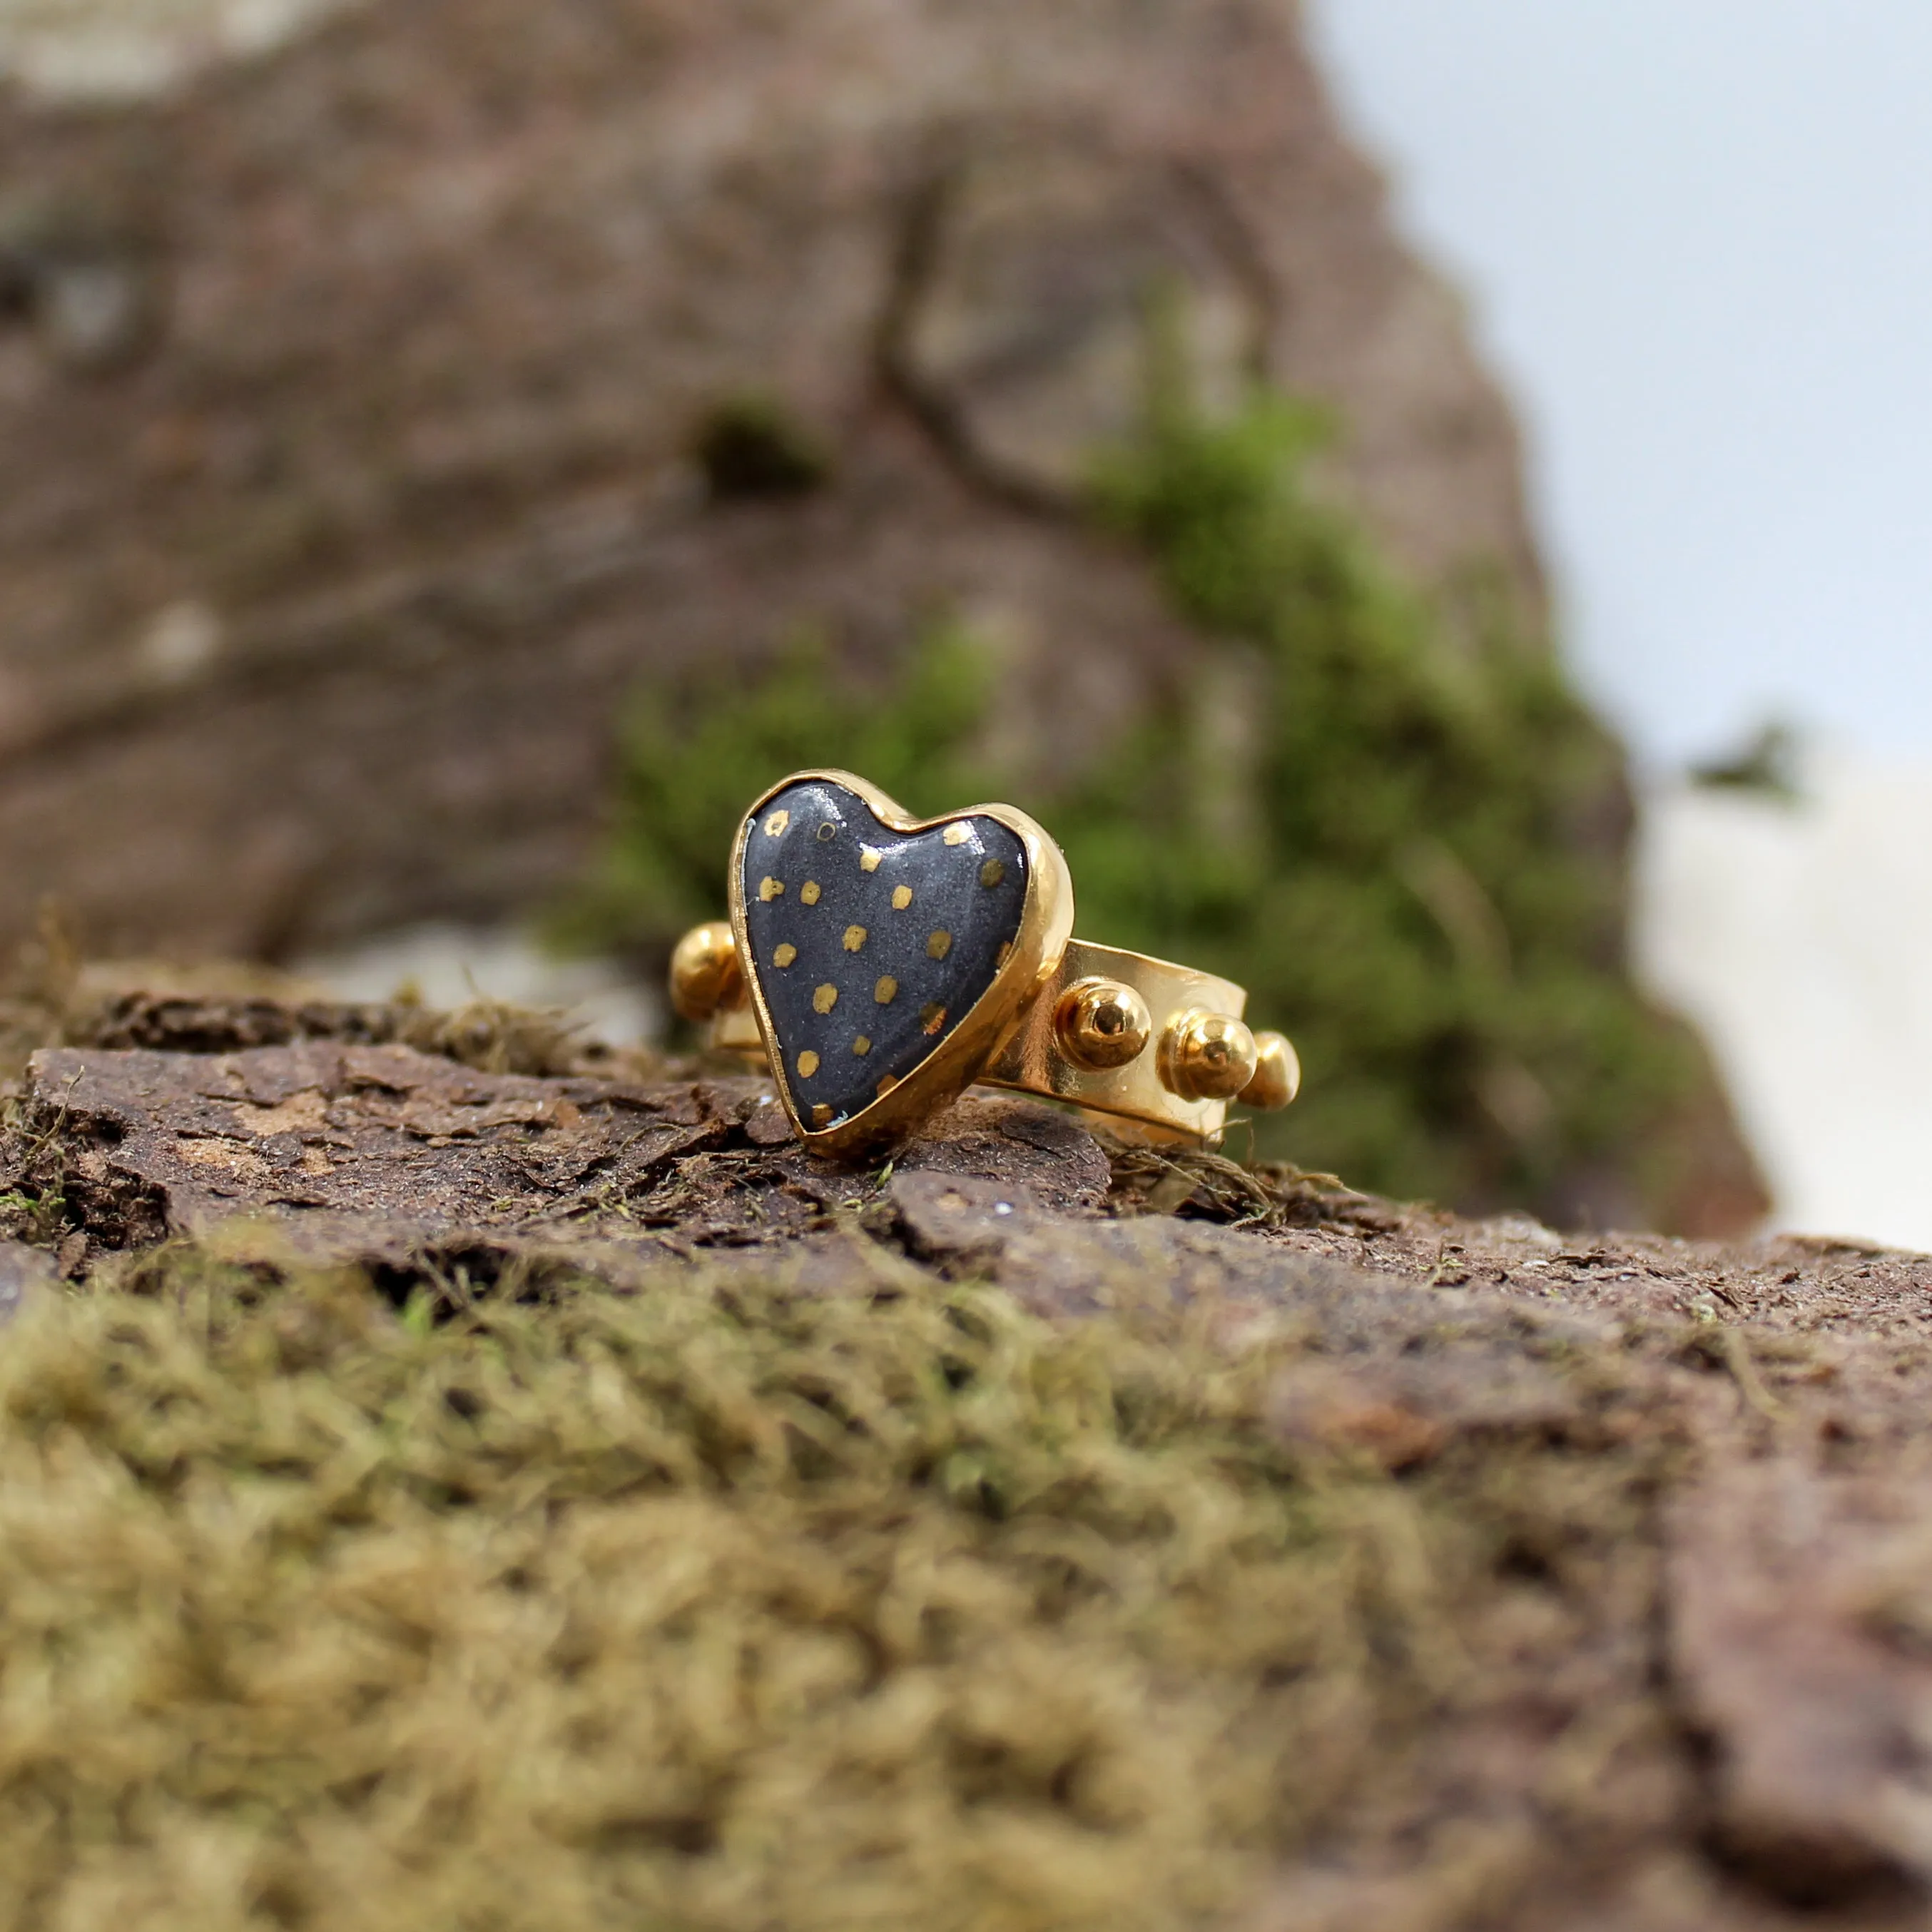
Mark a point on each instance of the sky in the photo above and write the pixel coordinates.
(1697, 235)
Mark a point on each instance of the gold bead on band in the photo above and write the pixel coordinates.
(1277, 1078)
(704, 973)
(1207, 1056)
(1101, 1024)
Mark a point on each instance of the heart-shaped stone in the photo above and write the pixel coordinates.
(869, 946)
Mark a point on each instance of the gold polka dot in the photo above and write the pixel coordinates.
(886, 1085)
(785, 955)
(808, 893)
(821, 1115)
(886, 991)
(855, 937)
(769, 889)
(827, 831)
(775, 825)
(861, 1046)
(957, 834)
(901, 898)
(991, 873)
(939, 944)
(825, 999)
(931, 1017)
(807, 1064)
(868, 858)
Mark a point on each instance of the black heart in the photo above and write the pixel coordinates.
(870, 946)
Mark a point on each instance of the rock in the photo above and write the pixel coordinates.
(1001, 1230)
(176, 1143)
(1405, 1412)
(1799, 1609)
(377, 1152)
(320, 584)
(1038, 1154)
(1024, 341)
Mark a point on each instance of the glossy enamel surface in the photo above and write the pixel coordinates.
(871, 944)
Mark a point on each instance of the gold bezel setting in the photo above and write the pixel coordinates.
(1046, 924)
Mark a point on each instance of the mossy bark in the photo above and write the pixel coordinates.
(456, 1490)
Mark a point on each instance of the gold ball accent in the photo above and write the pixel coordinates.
(1277, 1074)
(1101, 1024)
(1207, 1056)
(705, 977)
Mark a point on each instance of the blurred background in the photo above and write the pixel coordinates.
(1700, 254)
(1424, 503)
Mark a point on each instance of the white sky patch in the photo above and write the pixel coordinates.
(1799, 939)
(1699, 242)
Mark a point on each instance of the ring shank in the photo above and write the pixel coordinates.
(1028, 1058)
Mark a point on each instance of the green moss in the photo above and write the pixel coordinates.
(710, 1607)
(1417, 903)
(1377, 821)
(1768, 767)
(690, 762)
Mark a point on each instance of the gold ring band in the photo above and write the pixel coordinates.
(837, 897)
(1034, 1055)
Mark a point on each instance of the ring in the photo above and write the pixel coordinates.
(880, 965)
